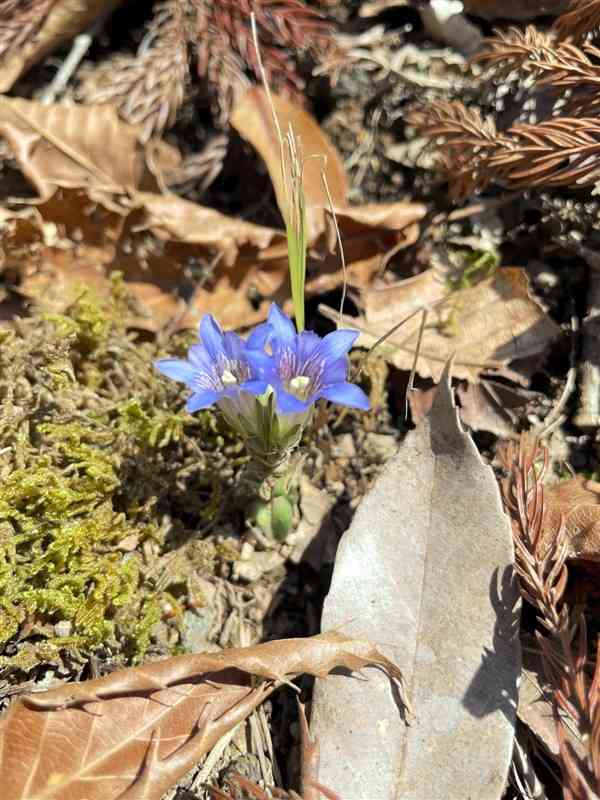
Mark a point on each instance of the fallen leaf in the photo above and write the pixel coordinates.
(426, 567)
(253, 119)
(578, 501)
(154, 237)
(65, 19)
(82, 147)
(173, 219)
(132, 734)
(491, 406)
(485, 406)
(484, 327)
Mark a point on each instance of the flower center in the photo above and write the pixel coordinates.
(300, 385)
(228, 378)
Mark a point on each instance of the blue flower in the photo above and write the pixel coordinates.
(304, 368)
(218, 368)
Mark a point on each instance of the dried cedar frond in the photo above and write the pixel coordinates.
(562, 151)
(541, 567)
(283, 26)
(571, 73)
(20, 20)
(581, 18)
(148, 89)
(512, 49)
(468, 143)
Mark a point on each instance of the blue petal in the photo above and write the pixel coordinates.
(261, 364)
(234, 346)
(337, 344)
(199, 358)
(335, 372)
(255, 387)
(307, 343)
(283, 328)
(259, 336)
(346, 394)
(177, 369)
(201, 400)
(212, 337)
(288, 404)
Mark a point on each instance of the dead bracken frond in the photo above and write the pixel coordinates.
(150, 87)
(542, 571)
(581, 18)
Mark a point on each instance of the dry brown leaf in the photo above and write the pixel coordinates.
(485, 326)
(173, 219)
(578, 500)
(246, 264)
(253, 120)
(64, 21)
(426, 569)
(484, 406)
(82, 147)
(132, 734)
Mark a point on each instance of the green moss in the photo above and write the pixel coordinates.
(104, 484)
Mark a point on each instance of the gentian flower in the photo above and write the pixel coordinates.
(218, 369)
(304, 368)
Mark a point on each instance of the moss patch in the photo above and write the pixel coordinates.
(106, 483)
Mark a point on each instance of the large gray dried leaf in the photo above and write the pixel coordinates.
(425, 570)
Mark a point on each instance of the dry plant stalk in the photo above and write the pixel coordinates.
(541, 567)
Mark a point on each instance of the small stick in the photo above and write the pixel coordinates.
(81, 44)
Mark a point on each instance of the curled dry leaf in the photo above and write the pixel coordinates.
(484, 327)
(578, 501)
(174, 219)
(82, 147)
(426, 567)
(64, 20)
(132, 734)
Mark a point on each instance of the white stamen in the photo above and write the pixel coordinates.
(228, 378)
(299, 383)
